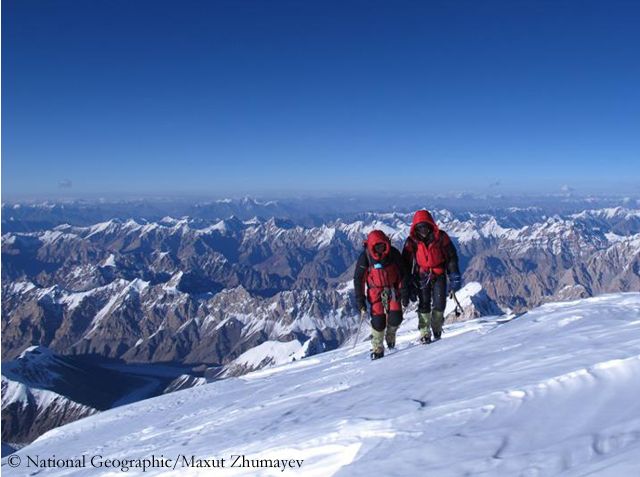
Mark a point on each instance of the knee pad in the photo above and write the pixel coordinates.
(378, 322)
(395, 318)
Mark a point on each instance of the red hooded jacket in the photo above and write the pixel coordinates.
(376, 272)
(431, 257)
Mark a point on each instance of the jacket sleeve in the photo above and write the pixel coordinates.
(452, 257)
(398, 259)
(409, 256)
(360, 275)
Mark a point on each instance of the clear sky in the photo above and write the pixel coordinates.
(257, 96)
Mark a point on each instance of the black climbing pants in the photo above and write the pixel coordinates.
(433, 295)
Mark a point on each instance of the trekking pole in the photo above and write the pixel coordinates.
(459, 310)
(355, 340)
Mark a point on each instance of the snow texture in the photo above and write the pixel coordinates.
(551, 392)
(277, 352)
(44, 401)
(110, 261)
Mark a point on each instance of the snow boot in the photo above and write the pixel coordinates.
(424, 326)
(390, 336)
(437, 320)
(377, 346)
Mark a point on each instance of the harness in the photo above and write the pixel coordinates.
(388, 292)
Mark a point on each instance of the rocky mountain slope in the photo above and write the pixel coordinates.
(191, 291)
(42, 390)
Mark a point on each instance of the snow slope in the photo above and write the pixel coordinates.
(552, 392)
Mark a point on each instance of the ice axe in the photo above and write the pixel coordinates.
(355, 339)
(458, 310)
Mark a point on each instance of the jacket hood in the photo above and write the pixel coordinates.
(375, 237)
(423, 216)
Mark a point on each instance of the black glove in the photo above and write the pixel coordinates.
(361, 302)
(455, 282)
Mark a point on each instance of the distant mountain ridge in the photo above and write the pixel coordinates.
(158, 291)
(33, 215)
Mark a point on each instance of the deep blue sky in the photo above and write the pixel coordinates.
(223, 97)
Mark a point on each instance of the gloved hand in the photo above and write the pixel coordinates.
(361, 302)
(455, 282)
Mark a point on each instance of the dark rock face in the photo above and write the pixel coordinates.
(25, 419)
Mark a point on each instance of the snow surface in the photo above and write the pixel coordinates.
(325, 236)
(220, 226)
(14, 392)
(273, 352)
(552, 392)
(46, 401)
(50, 236)
(110, 261)
(73, 300)
(8, 239)
(22, 287)
(101, 227)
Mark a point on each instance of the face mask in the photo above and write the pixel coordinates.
(423, 231)
(379, 248)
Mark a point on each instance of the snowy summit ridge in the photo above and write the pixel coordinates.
(552, 392)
